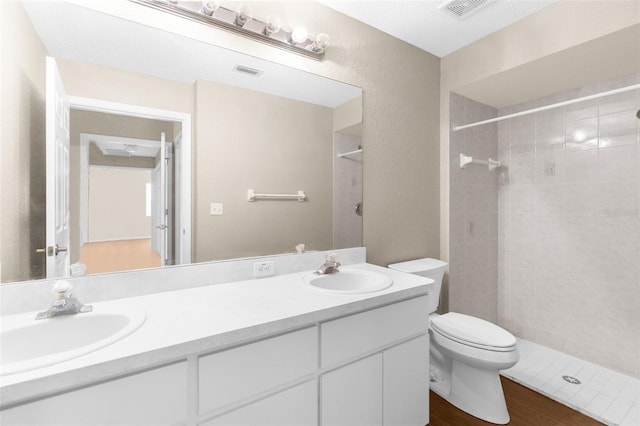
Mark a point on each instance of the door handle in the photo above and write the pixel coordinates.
(359, 209)
(52, 251)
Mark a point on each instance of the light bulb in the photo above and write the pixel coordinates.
(321, 43)
(209, 6)
(299, 34)
(274, 24)
(245, 13)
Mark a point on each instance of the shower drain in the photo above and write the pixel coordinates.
(572, 380)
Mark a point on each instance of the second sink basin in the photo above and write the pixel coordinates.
(27, 344)
(349, 281)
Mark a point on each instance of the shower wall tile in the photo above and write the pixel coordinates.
(582, 166)
(569, 227)
(618, 164)
(582, 134)
(618, 128)
(550, 166)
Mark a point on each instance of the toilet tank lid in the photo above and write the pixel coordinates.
(419, 265)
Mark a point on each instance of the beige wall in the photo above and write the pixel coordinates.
(22, 180)
(117, 204)
(249, 140)
(400, 115)
(348, 115)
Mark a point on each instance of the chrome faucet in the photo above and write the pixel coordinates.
(63, 303)
(330, 266)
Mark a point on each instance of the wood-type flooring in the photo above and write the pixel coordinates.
(526, 408)
(123, 255)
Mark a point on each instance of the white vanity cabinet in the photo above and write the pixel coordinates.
(153, 397)
(366, 368)
(384, 379)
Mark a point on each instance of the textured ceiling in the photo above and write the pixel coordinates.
(423, 24)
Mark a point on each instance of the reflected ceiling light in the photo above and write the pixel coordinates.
(242, 22)
(245, 14)
(130, 148)
(580, 136)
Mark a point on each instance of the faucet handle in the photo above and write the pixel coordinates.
(61, 288)
(332, 258)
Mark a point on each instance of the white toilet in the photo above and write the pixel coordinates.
(466, 353)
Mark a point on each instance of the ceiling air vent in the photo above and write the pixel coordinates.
(248, 70)
(462, 8)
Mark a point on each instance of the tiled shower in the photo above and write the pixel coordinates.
(548, 245)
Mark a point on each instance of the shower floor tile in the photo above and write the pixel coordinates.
(603, 394)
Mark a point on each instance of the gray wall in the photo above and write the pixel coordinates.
(473, 269)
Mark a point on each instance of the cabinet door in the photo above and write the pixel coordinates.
(352, 395)
(406, 383)
(154, 397)
(297, 406)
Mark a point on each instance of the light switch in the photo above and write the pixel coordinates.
(216, 209)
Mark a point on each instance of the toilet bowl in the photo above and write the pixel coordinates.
(466, 353)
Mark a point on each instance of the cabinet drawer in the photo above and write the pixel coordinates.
(351, 336)
(297, 406)
(234, 374)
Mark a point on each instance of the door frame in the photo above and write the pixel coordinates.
(183, 254)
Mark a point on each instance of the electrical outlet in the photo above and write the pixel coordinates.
(263, 269)
(216, 209)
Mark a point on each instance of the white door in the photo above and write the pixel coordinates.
(160, 205)
(57, 163)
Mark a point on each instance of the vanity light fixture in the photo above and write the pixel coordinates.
(245, 14)
(299, 35)
(321, 43)
(274, 24)
(242, 22)
(209, 7)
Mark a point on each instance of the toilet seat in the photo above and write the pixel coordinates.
(474, 332)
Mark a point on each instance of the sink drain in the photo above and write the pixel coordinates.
(572, 380)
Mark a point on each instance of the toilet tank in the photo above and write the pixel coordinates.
(427, 267)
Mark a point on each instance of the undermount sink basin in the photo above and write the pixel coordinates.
(349, 281)
(27, 343)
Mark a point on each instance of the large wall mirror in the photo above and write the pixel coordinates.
(167, 135)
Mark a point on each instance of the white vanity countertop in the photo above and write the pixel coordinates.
(206, 319)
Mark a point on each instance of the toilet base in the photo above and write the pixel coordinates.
(474, 390)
